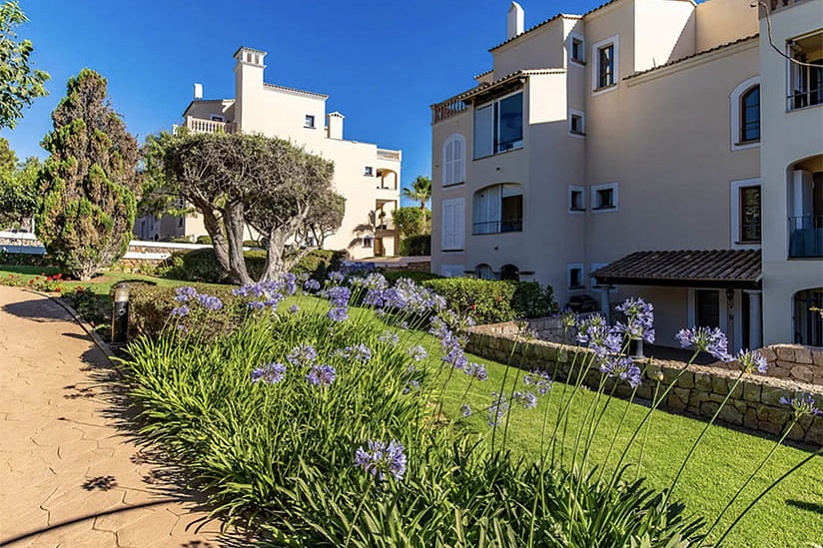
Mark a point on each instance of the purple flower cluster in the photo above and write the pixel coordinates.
(268, 293)
(336, 276)
(183, 294)
(639, 320)
(705, 339)
(210, 303)
(411, 386)
(302, 355)
(271, 373)
(321, 375)
(751, 360)
(466, 410)
(311, 285)
(294, 309)
(477, 371)
(382, 459)
(180, 311)
(596, 334)
(358, 353)
(387, 337)
(405, 295)
(540, 380)
(802, 405)
(622, 367)
(418, 353)
(339, 297)
(527, 399)
(498, 408)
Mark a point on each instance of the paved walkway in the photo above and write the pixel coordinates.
(70, 475)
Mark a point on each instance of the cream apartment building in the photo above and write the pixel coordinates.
(367, 176)
(630, 151)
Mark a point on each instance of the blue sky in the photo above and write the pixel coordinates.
(382, 63)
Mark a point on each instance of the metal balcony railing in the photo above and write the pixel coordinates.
(806, 236)
(496, 227)
(801, 98)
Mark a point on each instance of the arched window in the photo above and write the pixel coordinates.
(750, 115)
(484, 272)
(510, 272)
(454, 160)
(498, 208)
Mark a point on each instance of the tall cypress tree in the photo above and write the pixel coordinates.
(90, 180)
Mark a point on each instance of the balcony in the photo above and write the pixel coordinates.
(447, 109)
(199, 125)
(777, 5)
(388, 155)
(384, 228)
(497, 227)
(806, 237)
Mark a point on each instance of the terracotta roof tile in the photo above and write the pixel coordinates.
(690, 268)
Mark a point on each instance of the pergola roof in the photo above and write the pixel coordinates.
(728, 268)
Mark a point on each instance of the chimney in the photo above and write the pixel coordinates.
(334, 125)
(198, 91)
(515, 21)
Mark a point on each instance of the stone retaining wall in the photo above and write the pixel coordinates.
(793, 362)
(754, 404)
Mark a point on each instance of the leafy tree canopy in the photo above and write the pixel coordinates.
(20, 84)
(420, 191)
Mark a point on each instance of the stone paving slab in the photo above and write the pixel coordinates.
(70, 476)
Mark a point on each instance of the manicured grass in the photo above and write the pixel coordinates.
(790, 515)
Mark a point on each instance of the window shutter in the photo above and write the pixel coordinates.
(453, 236)
(458, 160)
(459, 223)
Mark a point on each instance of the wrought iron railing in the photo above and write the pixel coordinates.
(496, 227)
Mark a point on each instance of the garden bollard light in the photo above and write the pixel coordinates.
(120, 314)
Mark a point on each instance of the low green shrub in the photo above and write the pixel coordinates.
(418, 277)
(494, 301)
(319, 263)
(251, 243)
(204, 240)
(416, 246)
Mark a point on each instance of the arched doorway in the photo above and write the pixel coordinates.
(510, 272)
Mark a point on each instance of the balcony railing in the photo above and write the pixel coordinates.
(806, 236)
(199, 125)
(390, 155)
(496, 227)
(801, 99)
(447, 109)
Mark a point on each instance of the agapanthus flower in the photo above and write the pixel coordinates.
(540, 380)
(336, 276)
(498, 408)
(183, 294)
(639, 320)
(705, 339)
(256, 305)
(294, 309)
(456, 357)
(527, 399)
(209, 302)
(477, 371)
(338, 314)
(358, 352)
(418, 353)
(321, 375)
(411, 386)
(751, 360)
(311, 285)
(180, 311)
(568, 318)
(339, 296)
(302, 355)
(596, 334)
(802, 405)
(387, 337)
(271, 373)
(381, 459)
(466, 410)
(622, 367)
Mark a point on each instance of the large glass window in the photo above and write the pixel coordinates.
(498, 126)
(750, 214)
(750, 115)
(498, 208)
(806, 75)
(605, 66)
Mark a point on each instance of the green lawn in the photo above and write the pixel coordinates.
(100, 284)
(790, 516)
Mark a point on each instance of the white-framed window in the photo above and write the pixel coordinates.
(745, 213)
(216, 118)
(452, 270)
(606, 69)
(453, 230)
(309, 121)
(577, 123)
(454, 160)
(577, 199)
(368, 171)
(806, 74)
(498, 126)
(744, 106)
(574, 276)
(604, 198)
(577, 48)
(368, 241)
(497, 209)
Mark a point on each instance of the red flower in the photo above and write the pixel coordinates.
(58, 289)
(474, 307)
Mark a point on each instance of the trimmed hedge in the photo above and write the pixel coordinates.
(416, 246)
(495, 301)
(201, 265)
(416, 276)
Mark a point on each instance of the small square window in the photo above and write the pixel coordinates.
(604, 197)
(368, 241)
(577, 199)
(216, 118)
(577, 53)
(574, 276)
(368, 171)
(309, 122)
(577, 123)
